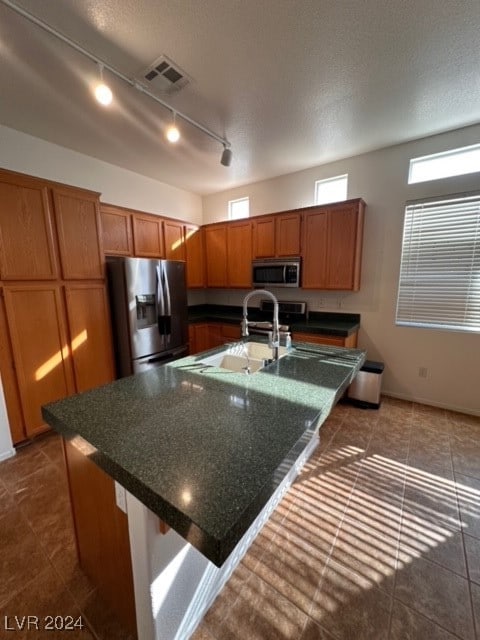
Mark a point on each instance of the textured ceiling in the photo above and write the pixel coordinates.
(291, 83)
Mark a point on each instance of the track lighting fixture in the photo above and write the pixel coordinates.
(173, 134)
(226, 158)
(103, 93)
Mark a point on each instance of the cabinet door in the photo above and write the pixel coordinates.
(288, 234)
(26, 234)
(101, 531)
(216, 255)
(147, 236)
(195, 255)
(116, 231)
(9, 380)
(239, 254)
(315, 242)
(173, 233)
(91, 340)
(320, 338)
(78, 225)
(345, 228)
(264, 237)
(199, 338)
(40, 348)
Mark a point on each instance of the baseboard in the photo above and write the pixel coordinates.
(9, 453)
(440, 405)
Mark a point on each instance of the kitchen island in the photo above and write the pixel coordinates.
(208, 451)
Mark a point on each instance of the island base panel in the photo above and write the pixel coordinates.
(174, 583)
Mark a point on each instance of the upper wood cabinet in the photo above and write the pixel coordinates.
(116, 230)
(287, 234)
(239, 254)
(332, 246)
(90, 335)
(148, 235)
(174, 236)
(40, 348)
(216, 255)
(263, 231)
(77, 216)
(26, 232)
(277, 235)
(195, 255)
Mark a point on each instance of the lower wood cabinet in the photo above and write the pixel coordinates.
(55, 341)
(205, 336)
(320, 338)
(101, 530)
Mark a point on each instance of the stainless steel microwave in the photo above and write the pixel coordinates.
(276, 272)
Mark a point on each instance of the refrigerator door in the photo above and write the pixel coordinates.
(149, 308)
(157, 359)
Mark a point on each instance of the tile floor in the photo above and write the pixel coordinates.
(379, 538)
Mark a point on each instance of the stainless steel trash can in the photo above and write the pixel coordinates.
(366, 386)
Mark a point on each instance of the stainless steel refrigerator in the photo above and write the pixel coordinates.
(148, 303)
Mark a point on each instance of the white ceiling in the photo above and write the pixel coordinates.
(290, 83)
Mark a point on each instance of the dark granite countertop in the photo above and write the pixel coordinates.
(333, 324)
(201, 446)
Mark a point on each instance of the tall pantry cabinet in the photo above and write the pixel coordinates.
(55, 337)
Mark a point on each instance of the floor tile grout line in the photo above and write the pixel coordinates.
(422, 615)
(402, 503)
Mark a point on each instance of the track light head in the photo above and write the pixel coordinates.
(103, 93)
(226, 158)
(173, 134)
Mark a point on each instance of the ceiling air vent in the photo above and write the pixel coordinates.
(164, 76)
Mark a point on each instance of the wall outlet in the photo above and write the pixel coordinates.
(422, 372)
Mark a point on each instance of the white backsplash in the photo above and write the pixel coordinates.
(332, 301)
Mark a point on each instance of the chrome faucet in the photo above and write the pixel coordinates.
(273, 336)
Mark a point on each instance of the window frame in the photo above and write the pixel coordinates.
(235, 201)
(343, 177)
(439, 157)
(439, 267)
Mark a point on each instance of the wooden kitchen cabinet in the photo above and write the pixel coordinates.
(101, 531)
(239, 254)
(332, 246)
(90, 335)
(9, 379)
(198, 337)
(216, 255)
(195, 256)
(40, 348)
(319, 338)
(263, 234)
(277, 236)
(174, 237)
(27, 249)
(148, 235)
(77, 215)
(287, 237)
(116, 230)
(205, 336)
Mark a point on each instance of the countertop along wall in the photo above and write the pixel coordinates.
(26, 154)
(380, 178)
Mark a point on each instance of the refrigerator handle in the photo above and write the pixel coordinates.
(160, 304)
(168, 305)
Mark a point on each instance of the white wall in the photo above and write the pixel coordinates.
(24, 153)
(6, 447)
(380, 178)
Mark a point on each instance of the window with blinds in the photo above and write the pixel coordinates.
(439, 283)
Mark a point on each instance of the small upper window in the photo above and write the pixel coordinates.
(456, 162)
(239, 208)
(331, 190)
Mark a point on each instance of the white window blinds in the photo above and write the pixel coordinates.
(440, 269)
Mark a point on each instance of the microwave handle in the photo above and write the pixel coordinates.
(284, 274)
